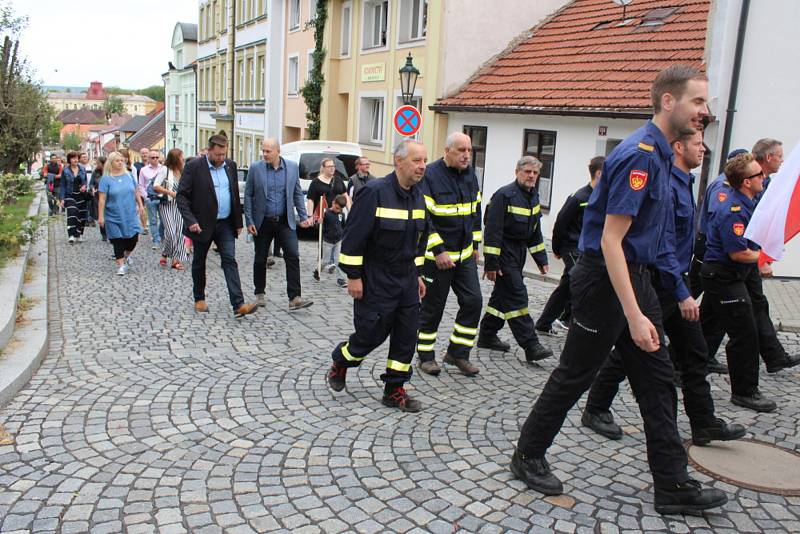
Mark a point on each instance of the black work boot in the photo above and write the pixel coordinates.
(787, 362)
(537, 352)
(687, 498)
(492, 343)
(336, 377)
(719, 431)
(395, 396)
(536, 474)
(755, 401)
(602, 423)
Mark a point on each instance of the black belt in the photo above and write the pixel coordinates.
(274, 220)
(599, 261)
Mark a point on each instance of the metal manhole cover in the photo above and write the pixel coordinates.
(749, 464)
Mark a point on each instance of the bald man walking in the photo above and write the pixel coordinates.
(272, 194)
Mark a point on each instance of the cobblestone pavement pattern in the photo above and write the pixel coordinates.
(148, 417)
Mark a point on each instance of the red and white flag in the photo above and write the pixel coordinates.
(776, 219)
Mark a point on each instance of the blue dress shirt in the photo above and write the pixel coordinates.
(275, 190)
(222, 188)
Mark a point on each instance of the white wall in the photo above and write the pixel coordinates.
(577, 141)
(477, 30)
(769, 83)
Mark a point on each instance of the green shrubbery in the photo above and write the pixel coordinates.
(16, 227)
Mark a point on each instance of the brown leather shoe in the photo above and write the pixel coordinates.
(430, 367)
(463, 365)
(245, 309)
(200, 306)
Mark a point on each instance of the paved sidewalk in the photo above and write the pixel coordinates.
(147, 417)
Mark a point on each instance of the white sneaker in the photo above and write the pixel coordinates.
(560, 325)
(71, 240)
(80, 239)
(129, 261)
(330, 268)
(261, 300)
(123, 270)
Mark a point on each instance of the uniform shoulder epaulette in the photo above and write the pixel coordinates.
(736, 208)
(646, 147)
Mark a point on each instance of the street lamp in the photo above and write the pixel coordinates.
(408, 80)
(174, 134)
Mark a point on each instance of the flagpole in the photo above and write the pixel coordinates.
(319, 238)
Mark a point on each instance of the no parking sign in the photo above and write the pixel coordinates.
(407, 120)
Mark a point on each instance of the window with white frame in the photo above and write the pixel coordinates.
(241, 80)
(347, 19)
(376, 24)
(413, 20)
(310, 64)
(243, 16)
(260, 77)
(251, 89)
(294, 14)
(372, 121)
(293, 75)
(312, 9)
(214, 85)
(223, 82)
(176, 108)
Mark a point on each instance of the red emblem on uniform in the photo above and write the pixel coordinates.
(721, 196)
(638, 179)
(738, 229)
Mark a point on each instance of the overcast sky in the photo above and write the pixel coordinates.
(74, 42)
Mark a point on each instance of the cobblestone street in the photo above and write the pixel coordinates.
(149, 417)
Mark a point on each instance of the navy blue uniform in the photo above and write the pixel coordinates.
(566, 233)
(453, 201)
(734, 301)
(716, 192)
(634, 182)
(513, 230)
(383, 245)
(687, 343)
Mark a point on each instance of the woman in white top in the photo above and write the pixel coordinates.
(166, 184)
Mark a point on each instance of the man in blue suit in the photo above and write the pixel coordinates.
(272, 193)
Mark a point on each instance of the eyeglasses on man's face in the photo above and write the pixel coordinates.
(759, 174)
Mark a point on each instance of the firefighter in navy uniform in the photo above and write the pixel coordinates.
(615, 305)
(513, 229)
(733, 295)
(680, 315)
(566, 232)
(453, 200)
(382, 250)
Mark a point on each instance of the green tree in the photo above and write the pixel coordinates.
(53, 134)
(156, 92)
(71, 142)
(113, 104)
(312, 89)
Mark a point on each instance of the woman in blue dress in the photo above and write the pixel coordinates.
(120, 210)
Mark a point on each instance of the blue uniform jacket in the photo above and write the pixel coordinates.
(513, 228)
(635, 182)
(726, 229)
(675, 257)
(386, 227)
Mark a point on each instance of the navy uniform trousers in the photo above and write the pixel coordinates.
(389, 306)
(598, 324)
(463, 278)
(688, 347)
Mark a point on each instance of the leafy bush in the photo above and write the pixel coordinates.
(16, 227)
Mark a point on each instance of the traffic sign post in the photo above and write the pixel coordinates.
(407, 120)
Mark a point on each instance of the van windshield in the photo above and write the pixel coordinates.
(310, 163)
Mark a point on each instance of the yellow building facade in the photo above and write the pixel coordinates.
(367, 42)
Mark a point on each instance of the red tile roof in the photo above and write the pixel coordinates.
(564, 65)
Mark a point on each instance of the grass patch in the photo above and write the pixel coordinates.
(15, 226)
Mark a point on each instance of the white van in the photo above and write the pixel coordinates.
(309, 155)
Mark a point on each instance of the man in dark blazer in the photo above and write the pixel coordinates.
(271, 195)
(208, 199)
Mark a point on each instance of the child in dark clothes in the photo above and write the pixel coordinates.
(332, 232)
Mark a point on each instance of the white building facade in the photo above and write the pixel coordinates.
(180, 91)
